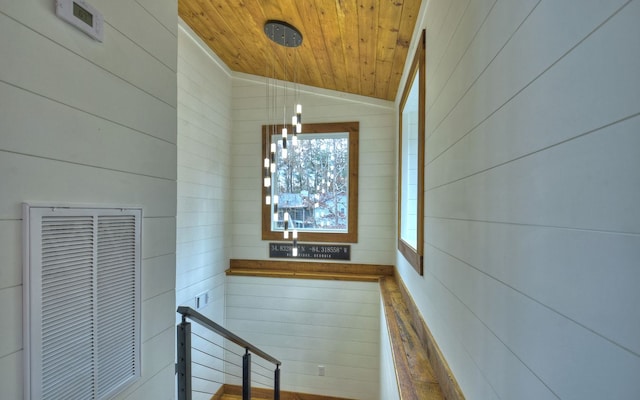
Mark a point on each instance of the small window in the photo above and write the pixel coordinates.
(316, 185)
(411, 162)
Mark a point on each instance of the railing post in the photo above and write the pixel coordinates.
(184, 366)
(184, 360)
(276, 384)
(246, 376)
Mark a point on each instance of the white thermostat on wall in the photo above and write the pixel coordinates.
(83, 16)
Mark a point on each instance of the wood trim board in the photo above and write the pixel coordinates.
(448, 383)
(309, 270)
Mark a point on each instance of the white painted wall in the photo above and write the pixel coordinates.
(311, 323)
(204, 188)
(204, 174)
(388, 381)
(307, 323)
(532, 240)
(376, 219)
(95, 123)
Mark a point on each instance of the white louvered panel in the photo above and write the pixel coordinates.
(67, 307)
(83, 296)
(117, 283)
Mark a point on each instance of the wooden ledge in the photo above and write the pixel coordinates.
(420, 365)
(309, 270)
(416, 378)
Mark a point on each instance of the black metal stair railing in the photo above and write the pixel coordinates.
(215, 364)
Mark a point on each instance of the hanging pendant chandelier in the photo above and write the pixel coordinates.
(288, 36)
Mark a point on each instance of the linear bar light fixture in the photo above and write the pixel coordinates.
(288, 36)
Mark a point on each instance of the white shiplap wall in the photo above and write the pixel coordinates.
(308, 323)
(532, 241)
(92, 123)
(388, 381)
(204, 180)
(376, 183)
(311, 323)
(204, 147)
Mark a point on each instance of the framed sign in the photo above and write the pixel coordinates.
(311, 251)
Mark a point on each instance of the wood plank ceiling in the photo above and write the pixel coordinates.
(353, 46)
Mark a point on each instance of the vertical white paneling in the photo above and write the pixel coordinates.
(467, 28)
(23, 65)
(499, 81)
(69, 182)
(11, 367)
(161, 275)
(10, 246)
(166, 15)
(156, 387)
(532, 177)
(155, 314)
(134, 20)
(450, 24)
(11, 331)
(91, 123)
(388, 382)
(158, 237)
(495, 31)
(563, 117)
(27, 135)
(377, 166)
(152, 358)
(204, 192)
(308, 323)
(204, 146)
(119, 53)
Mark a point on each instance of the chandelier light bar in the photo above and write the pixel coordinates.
(288, 36)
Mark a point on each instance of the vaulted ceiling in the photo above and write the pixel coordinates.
(353, 46)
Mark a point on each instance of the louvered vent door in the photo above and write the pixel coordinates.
(117, 293)
(82, 309)
(67, 307)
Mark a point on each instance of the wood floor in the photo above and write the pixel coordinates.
(293, 397)
(233, 392)
(236, 397)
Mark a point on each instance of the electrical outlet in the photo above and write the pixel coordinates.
(202, 300)
(320, 370)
